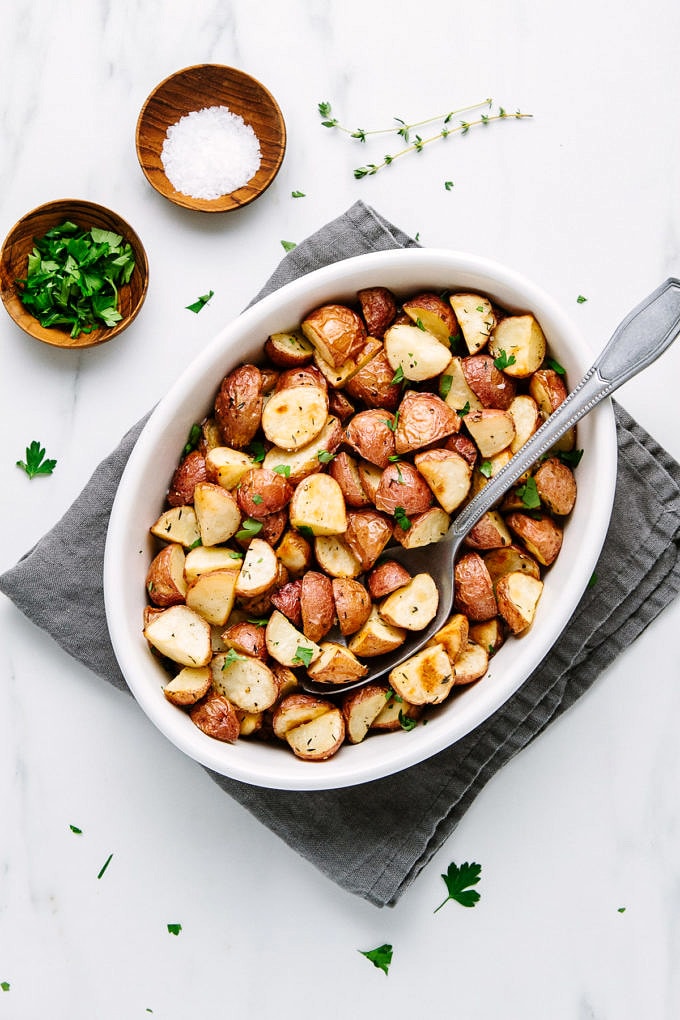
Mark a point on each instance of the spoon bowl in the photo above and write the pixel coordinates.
(640, 339)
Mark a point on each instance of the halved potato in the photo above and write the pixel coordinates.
(547, 388)
(471, 664)
(202, 560)
(474, 589)
(413, 606)
(336, 664)
(556, 486)
(521, 338)
(371, 434)
(165, 583)
(317, 605)
(490, 532)
(288, 350)
(448, 475)
(455, 390)
(335, 331)
(295, 465)
(402, 486)
(295, 552)
(396, 715)
(217, 718)
(376, 637)
(374, 384)
(424, 529)
(345, 470)
(181, 635)
(294, 416)
(352, 604)
(259, 570)
(508, 559)
(541, 535)
(189, 472)
(424, 419)
(262, 492)
(518, 595)
(361, 708)
(212, 595)
(238, 406)
(288, 601)
(189, 685)
(493, 430)
(370, 475)
(295, 710)
(219, 517)
(340, 375)
(386, 577)
(178, 524)
(489, 634)
(476, 319)
(245, 638)
(367, 534)
(335, 557)
(288, 645)
(318, 504)
(226, 467)
(526, 418)
(453, 635)
(492, 386)
(247, 682)
(378, 307)
(319, 739)
(434, 314)
(416, 352)
(424, 679)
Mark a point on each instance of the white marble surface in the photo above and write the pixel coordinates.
(585, 199)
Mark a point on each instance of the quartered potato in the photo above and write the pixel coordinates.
(358, 433)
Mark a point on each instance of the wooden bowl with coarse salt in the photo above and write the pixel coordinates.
(210, 138)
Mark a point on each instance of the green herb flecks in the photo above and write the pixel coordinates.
(5, 985)
(486, 468)
(105, 865)
(231, 657)
(256, 450)
(325, 457)
(407, 722)
(35, 463)
(297, 194)
(174, 929)
(528, 493)
(282, 469)
(193, 439)
(398, 376)
(465, 409)
(401, 519)
(74, 828)
(555, 365)
(458, 881)
(572, 458)
(249, 529)
(303, 656)
(445, 382)
(288, 245)
(503, 360)
(581, 300)
(380, 957)
(448, 185)
(200, 302)
(306, 532)
(73, 278)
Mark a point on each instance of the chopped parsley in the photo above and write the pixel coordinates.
(256, 451)
(231, 657)
(105, 865)
(555, 365)
(448, 185)
(283, 469)
(174, 929)
(528, 493)
(297, 194)
(73, 278)
(288, 245)
(445, 382)
(193, 439)
(305, 531)
(380, 957)
(249, 528)
(5, 985)
(458, 882)
(74, 828)
(570, 457)
(35, 463)
(464, 410)
(581, 300)
(504, 361)
(257, 498)
(398, 376)
(303, 655)
(486, 468)
(401, 519)
(200, 302)
(407, 722)
(325, 457)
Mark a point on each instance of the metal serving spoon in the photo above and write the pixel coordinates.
(638, 341)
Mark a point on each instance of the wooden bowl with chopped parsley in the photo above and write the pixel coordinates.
(73, 273)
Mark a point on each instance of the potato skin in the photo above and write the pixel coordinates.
(464, 446)
(373, 384)
(190, 471)
(316, 604)
(287, 601)
(246, 639)
(346, 473)
(262, 492)
(336, 331)
(371, 434)
(367, 534)
(493, 388)
(352, 604)
(556, 486)
(541, 535)
(309, 375)
(386, 578)
(238, 406)
(474, 590)
(424, 418)
(403, 486)
(379, 309)
(216, 717)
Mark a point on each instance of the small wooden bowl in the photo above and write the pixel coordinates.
(13, 265)
(196, 88)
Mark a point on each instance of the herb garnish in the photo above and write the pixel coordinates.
(303, 656)
(193, 439)
(528, 493)
(570, 457)
(288, 245)
(231, 657)
(581, 299)
(555, 365)
(458, 881)
(200, 302)
(325, 457)
(380, 957)
(464, 410)
(486, 468)
(445, 382)
(256, 450)
(282, 469)
(407, 722)
(257, 498)
(397, 377)
(249, 528)
(297, 194)
(35, 464)
(5, 985)
(401, 518)
(503, 361)
(73, 277)
(448, 185)
(105, 865)
(74, 828)
(417, 144)
(305, 531)
(174, 929)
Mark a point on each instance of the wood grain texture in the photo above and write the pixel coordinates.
(195, 88)
(13, 265)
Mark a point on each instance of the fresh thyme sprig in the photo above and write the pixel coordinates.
(403, 129)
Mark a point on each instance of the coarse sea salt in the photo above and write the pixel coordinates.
(210, 153)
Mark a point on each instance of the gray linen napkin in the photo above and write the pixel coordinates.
(361, 837)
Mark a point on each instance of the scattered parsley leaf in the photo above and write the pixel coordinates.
(621, 910)
(458, 881)
(257, 498)
(5, 985)
(283, 469)
(105, 865)
(231, 657)
(398, 376)
(249, 528)
(401, 519)
(174, 929)
(448, 185)
(419, 324)
(195, 545)
(581, 300)
(325, 457)
(555, 365)
(407, 722)
(528, 493)
(445, 382)
(303, 656)
(74, 828)
(193, 439)
(593, 580)
(394, 458)
(486, 468)
(35, 464)
(297, 194)
(393, 423)
(288, 245)
(464, 410)
(306, 531)
(235, 555)
(570, 457)
(256, 451)
(380, 957)
(200, 302)
(503, 361)
(258, 621)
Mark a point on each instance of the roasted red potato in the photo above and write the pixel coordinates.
(379, 309)
(238, 406)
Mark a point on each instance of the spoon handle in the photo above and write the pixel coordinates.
(638, 341)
